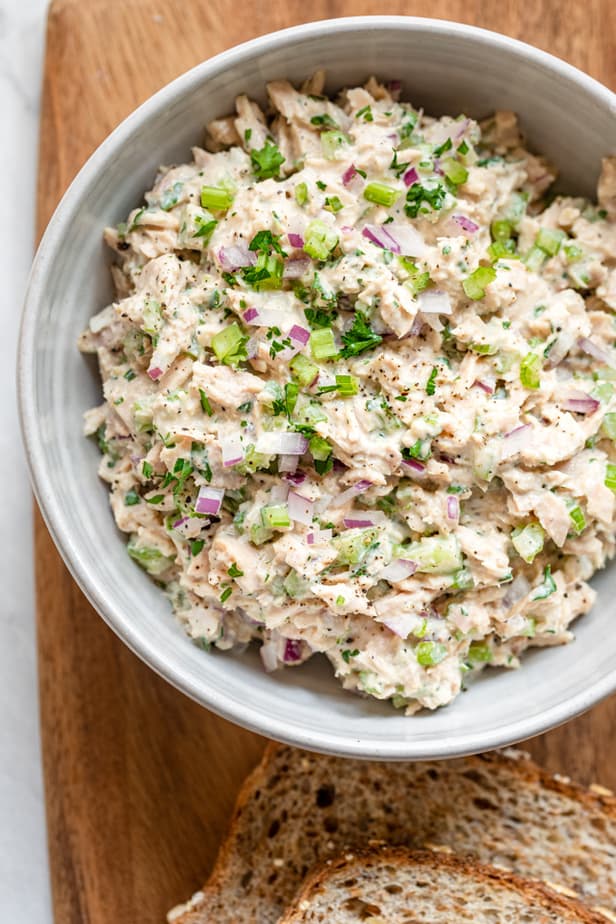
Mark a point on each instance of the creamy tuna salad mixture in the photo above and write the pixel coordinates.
(359, 390)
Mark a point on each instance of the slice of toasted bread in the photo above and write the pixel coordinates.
(397, 886)
(296, 809)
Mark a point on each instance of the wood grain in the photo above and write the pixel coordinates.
(139, 780)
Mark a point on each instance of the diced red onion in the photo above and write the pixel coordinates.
(415, 464)
(433, 321)
(295, 240)
(155, 373)
(287, 464)
(296, 267)
(300, 508)
(516, 440)
(518, 588)
(319, 535)
(411, 176)
(269, 655)
(398, 570)
(299, 334)
(232, 451)
(467, 225)
(292, 651)
(279, 493)
(433, 301)
(374, 234)
(453, 508)
(417, 327)
(486, 385)
(394, 87)
(266, 317)
(349, 174)
(462, 129)
(560, 348)
(402, 239)
(279, 442)
(437, 168)
(354, 523)
(350, 493)
(252, 348)
(209, 500)
(235, 256)
(581, 403)
(401, 624)
(295, 478)
(189, 527)
(593, 349)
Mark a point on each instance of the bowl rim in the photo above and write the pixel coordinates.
(204, 691)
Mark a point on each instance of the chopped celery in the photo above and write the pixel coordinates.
(320, 239)
(573, 252)
(530, 368)
(609, 426)
(515, 209)
(303, 369)
(603, 392)
(301, 193)
(535, 258)
(475, 285)
(217, 198)
(610, 476)
(259, 534)
(549, 240)
(332, 142)
(294, 584)
(143, 416)
(320, 449)
(347, 385)
(501, 230)
(229, 345)
(547, 586)
(308, 413)
(150, 558)
(484, 349)
(381, 194)
(417, 280)
(479, 652)
(502, 250)
(430, 653)
(528, 541)
(353, 544)
(462, 580)
(275, 516)
(152, 317)
(455, 172)
(323, 343)
(435, 554)
(576, 515)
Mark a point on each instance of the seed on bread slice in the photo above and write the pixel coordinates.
(296, 809)
(397, 886)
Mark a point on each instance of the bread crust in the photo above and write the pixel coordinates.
(356, 861)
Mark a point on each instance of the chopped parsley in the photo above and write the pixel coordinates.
(267, 161)
(359, 337)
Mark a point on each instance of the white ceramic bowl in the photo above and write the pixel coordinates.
(447, 68)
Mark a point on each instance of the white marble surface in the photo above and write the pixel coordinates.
(24, 885)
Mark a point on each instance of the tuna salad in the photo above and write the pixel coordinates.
(358, 387)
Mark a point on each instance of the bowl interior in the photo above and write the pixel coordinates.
(445, 69)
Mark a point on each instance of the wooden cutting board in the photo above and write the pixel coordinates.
(139, 780)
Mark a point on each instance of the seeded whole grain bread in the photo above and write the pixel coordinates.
(397, 886)
(297, 809)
